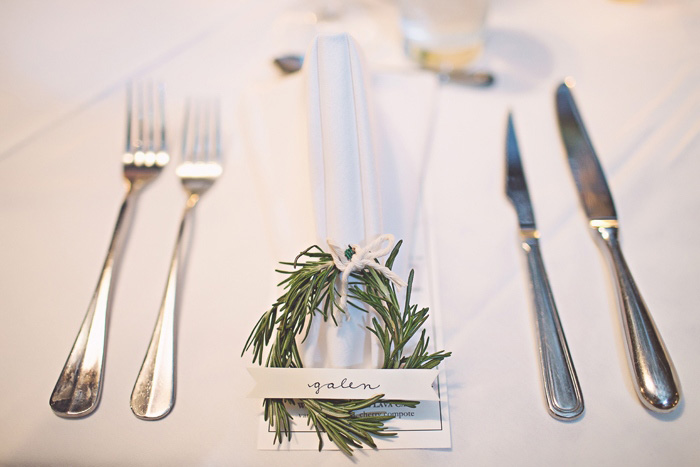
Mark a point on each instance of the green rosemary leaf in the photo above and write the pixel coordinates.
(392, 256)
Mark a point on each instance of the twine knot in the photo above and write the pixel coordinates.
(356, 258)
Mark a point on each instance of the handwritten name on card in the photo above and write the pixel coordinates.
(344, 384)
(337, 383)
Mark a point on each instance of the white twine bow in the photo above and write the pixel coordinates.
(362, 258)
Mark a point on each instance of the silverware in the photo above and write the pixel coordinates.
(561, 387)
(657, 384)
(292, 63)
(289, 64)
(153, 395)
(78, 389)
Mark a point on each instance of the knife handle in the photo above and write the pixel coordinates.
(561, 387)
(657, 384)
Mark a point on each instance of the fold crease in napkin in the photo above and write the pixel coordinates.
(345, 190)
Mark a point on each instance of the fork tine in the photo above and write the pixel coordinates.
(206, 131)
(151, 116)
(217, 130)
(185, 129)
(129, 115)
(196, 143)
(140, 113)
(161, 101)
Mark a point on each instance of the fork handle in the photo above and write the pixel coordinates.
(153, 395)
(78, 389)
(561, 387)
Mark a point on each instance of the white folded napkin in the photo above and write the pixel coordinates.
(342, 157)
(320, 156)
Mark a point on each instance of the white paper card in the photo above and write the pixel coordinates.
(343, 383)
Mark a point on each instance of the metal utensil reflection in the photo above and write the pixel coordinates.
(657, 384)
(153, 395)
(79, 386)
(561, 387)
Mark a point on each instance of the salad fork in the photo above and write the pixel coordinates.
(153, 395)
(78, 389)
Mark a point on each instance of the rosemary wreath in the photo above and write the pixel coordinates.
(310, 289)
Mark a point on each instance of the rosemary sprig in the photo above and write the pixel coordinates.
(310, 289)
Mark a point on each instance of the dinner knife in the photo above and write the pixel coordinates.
(657, 384)
(561, 387)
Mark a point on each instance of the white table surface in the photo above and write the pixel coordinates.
(63, 66)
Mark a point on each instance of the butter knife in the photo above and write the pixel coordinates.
(561, 387)
(656, 381)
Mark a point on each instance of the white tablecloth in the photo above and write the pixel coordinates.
(63, 69)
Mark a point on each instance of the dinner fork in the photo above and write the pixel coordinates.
(153, 396)
(78, 389)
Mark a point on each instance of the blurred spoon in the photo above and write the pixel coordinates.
(292, 63)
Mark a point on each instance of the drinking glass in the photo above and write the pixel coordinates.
(443, 34)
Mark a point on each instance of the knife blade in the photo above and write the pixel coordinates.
(657, 383)
(516, 186)
(561, 386)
